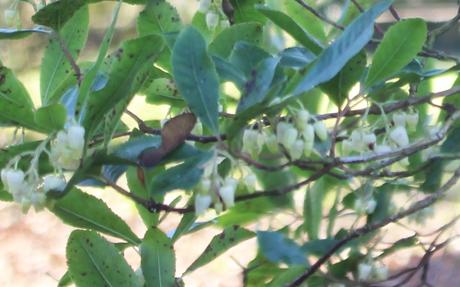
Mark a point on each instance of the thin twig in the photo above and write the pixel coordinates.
(318, 15)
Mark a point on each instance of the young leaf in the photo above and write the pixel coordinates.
(349, 43)
(55, 66)
(93, 261)
(158, 17)
(83, 210)
(223, 44)
(292, 28)
(220, 243)
(51, 117)
(157, 259)
(399, 46)
(196, 77)
(279, 249)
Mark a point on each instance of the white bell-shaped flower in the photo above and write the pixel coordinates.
(227, 193)
(53, 182)
(412, 121)
(308, 133)
(399, 119)
(399, 136)
(286, 134)
(272, 143)
(301, 119)
(320, 130)
(67, 148)
(296, 150)
(212, 20)
(12, 179)
(202, 202)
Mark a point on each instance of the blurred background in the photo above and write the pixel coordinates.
(32, 246)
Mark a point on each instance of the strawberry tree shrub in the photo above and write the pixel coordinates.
(246, 82)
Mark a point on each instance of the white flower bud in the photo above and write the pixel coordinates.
(53, 182)
(252, 142)
(212, 20)
(356, 137)
(204, 6)
(359, 206)
(320, 130)
(399, 136)
(76, 137)
(296, 149)
(272, 143)
(286, 134)
(13, 179)
(218, 207)
(308, 133)
(369, 139)
(227, 193)
(364, 271)
(230, 181)
(205, 185)
(412, 121)
(370, 206)
(202, 202)
(37, 200)
(399, 119)
(301, 119)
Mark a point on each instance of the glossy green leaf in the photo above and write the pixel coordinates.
(182, 176)
(292, 28)
(224, 42)
(259, 83)
(247, 56)
(185, 225)
(163, 91)
(338, 87)
(126, 77)
(228, 72)
(80, 209)
(399, 46)
(307, 21)
(65, 280)
(51, 117)
(15, 104)
(55, 66)
(296, 57)
(319, 247)
(345, 47)
(196, 77)
(13, 34)
(159, 16)
(279, 249)
(93, 261)
(220, 243)
(158, 261)
(56, 14)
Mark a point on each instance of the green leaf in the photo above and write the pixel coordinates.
(52, 117)
(246, 56)
(16, 107)
(307, 21)
(56, 14)
(163, 91)
(13, 34)
(55, 66)
(383, 195)
(292, 28)
(223, 44)
(158, 17)
(65, 280)
(338, 87)
(182, 176)
(403, 243)
(196, 77)
(158, 261)
(296, 57)
(82, 210)
(258, 85)
(5, 195)
(245, 11)
(399, 46)
(228, 72)
(279, 249)
(319, 247)
(93, 261)
(313, 209)
(185, 225)
(286, 276)
(348, 44)
(126, 77)
(220, 243)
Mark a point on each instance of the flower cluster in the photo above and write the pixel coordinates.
(371, 270)
(297, 138)
(213, 189)
(28, 188)
(214, 14)
(67, 148)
